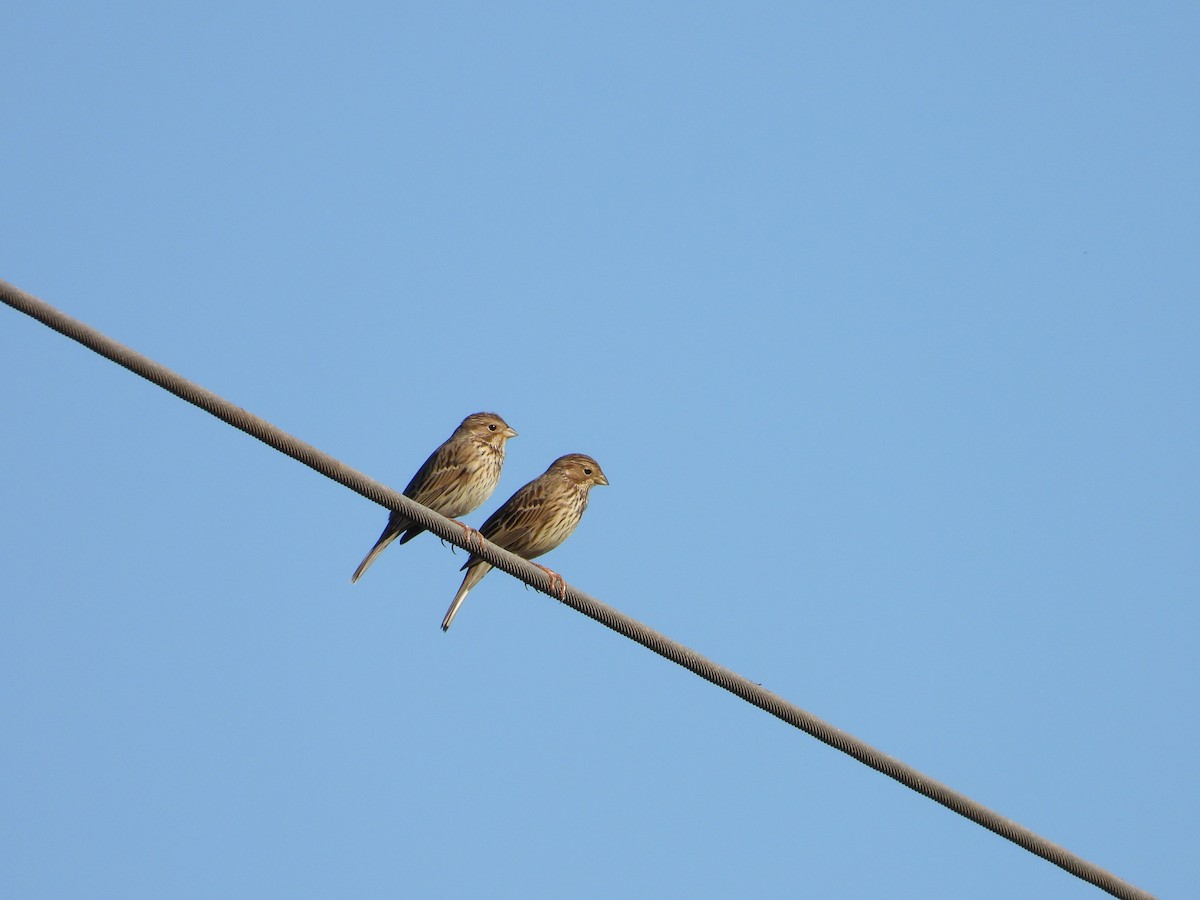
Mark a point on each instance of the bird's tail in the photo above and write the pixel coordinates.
(389, 535)
(474, 573)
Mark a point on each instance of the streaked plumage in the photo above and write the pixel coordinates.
(535, 519)
(457, 478)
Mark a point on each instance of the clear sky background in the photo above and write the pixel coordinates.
(882, 319)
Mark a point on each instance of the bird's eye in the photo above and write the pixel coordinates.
(587, 471)
(492, 427)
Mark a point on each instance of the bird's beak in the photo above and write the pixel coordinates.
(603, 479)
(509, 432)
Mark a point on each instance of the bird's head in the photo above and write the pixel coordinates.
(487, 427)
(579, 468)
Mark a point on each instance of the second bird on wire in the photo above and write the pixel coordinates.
(535, 519)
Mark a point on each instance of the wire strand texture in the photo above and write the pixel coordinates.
(589, 606)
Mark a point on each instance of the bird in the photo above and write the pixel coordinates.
(457, 478)
(535, 519)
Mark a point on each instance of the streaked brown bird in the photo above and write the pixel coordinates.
(458, 477)
(535, 519)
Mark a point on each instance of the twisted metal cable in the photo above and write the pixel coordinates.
(591, 607)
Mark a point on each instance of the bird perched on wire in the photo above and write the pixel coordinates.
(456, 479)
(535, 519)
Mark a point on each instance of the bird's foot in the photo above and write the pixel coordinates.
(474, 538)
(558, 586)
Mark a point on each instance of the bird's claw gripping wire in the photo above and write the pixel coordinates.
(474, 538)
(558, 586)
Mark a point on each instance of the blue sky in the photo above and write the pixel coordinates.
(883, 321)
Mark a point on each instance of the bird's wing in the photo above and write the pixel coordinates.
(514, 524)
(437, 475)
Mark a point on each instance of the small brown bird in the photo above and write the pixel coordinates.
(535, 519)
(458, 477)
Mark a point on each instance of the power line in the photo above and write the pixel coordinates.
(536, 577)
